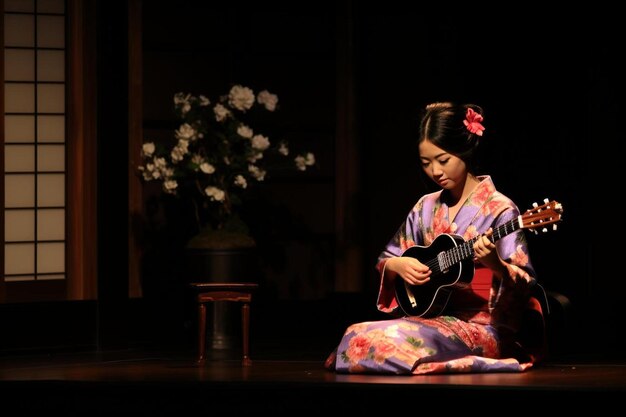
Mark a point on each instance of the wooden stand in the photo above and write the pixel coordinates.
(224, 291)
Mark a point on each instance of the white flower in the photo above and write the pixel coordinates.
(268, 99)
(221, 112)
(303, 161)
(256, 172)
(260, 142)
(244, 131)
(167, 172)
(180, 150)
(300, 162)
(207, 168)
(204, 101)
(214, 193)
(182, 101)
(148, 149)
(147, 172)
(283, 149)
(154, 169)
(196, 160)
(240, 181)
(181, 98)
(186, 131)
(170, 186)
(160, 163)
(241, 98)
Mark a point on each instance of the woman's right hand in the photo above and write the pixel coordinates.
(410, 269)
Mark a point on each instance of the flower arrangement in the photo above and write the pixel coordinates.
(217, 156)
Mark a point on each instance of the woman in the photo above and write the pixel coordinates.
(477, 324)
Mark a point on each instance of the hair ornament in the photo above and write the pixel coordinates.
(472, 122)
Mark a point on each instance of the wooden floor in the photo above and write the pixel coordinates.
(287, 376)
(171, 383)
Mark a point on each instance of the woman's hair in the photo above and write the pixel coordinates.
(444, 125)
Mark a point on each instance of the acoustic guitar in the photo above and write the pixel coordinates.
(450, 259)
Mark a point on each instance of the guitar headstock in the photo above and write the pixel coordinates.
(543, 215)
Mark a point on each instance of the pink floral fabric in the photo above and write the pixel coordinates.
(420, 346)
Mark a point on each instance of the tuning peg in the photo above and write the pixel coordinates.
(554, 226)
(535, 205)
(544, 230)
(545, 200)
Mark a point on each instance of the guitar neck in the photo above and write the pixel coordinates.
(466, 249)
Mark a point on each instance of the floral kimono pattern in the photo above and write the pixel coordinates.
(477, 330)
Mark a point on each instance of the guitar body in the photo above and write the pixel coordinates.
(431, 298)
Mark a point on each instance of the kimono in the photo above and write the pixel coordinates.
(491, 325)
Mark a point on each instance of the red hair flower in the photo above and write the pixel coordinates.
(472, 122)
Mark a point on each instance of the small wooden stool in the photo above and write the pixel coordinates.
(224, 291)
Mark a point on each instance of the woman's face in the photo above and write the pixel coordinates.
(446, 170)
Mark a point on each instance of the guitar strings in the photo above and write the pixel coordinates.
(466, 249)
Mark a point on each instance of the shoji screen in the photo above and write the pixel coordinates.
(34, 140)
